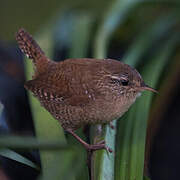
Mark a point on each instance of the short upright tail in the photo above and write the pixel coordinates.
(28, 45)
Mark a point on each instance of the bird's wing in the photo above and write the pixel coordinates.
(48, 93)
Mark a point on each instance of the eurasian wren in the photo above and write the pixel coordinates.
(83, 91)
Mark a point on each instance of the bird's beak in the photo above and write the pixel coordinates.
(148, 88)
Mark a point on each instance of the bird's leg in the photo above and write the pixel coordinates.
(90, 147)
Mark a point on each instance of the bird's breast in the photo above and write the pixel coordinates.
(121, 105)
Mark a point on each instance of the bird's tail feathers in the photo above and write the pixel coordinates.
(28, 45)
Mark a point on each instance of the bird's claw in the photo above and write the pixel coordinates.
(100, 145)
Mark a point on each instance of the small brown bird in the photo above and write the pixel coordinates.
(84, 91)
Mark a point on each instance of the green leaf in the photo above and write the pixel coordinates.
(17, 157)
(115, 15)
(102, 161)
(132, 127)
(81, 30)
(149, 35)
(19, 142)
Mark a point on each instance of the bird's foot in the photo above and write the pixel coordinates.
(98, 146)
(91, 147)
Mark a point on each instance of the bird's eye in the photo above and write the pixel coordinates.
(124, 82)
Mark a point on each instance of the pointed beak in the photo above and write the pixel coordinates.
(148, 88)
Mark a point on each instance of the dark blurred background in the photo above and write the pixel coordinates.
(149, 23)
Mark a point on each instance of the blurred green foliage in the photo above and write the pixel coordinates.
(147, 30)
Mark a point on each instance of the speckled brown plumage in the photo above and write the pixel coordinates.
(81, 91)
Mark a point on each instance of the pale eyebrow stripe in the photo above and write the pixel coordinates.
(118, 77)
